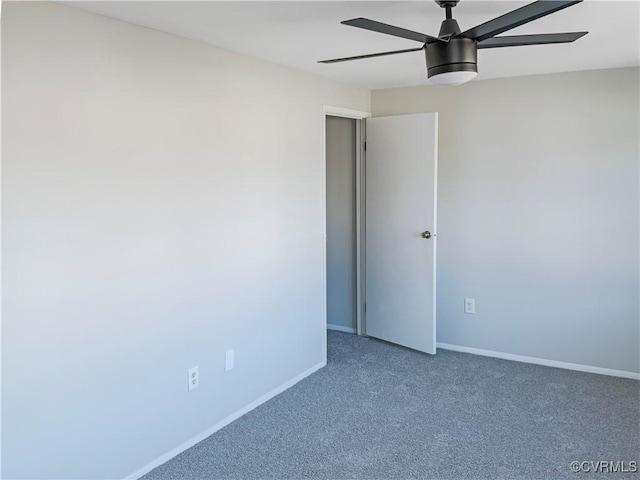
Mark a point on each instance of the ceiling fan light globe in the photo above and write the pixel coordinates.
(453, 78)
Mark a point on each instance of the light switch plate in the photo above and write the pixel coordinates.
(470, 305)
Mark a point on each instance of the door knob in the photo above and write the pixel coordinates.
(426, 234)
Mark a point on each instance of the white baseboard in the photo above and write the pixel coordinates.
(540, 361)
(340, 328)
(223, 423)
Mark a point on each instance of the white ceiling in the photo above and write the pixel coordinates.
(299, 33)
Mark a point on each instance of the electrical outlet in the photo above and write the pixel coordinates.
(229, 360)
(194, 378)
(470, 305)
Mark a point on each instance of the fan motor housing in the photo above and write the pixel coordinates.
(459, 54)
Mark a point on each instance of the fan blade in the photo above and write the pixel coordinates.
(391, 30)
(521, 40)
(371, 55)
(515, 18)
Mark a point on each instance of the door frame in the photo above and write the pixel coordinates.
(360, 117)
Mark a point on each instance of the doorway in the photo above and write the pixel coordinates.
(343, 184)
(379, 223)
(344, 144)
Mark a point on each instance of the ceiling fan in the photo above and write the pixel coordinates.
(452, 56)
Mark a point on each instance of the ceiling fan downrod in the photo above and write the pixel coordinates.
(447, 5)
(449, 26)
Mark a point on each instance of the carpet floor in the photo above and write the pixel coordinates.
(379, 411)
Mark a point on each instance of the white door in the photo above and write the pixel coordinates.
(401, 166)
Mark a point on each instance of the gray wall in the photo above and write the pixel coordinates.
(160, 204)
(538, 213)
(341, 222)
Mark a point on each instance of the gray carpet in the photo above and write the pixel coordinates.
(378, 411)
